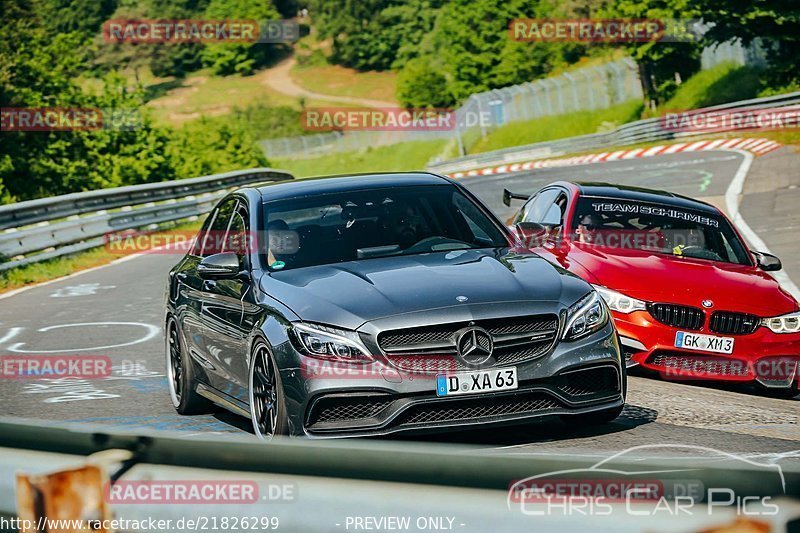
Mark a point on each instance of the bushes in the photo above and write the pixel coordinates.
(238, 58)
(421, 84)
(727, 82)
(41, 70)
(207, 146)
(558, 126)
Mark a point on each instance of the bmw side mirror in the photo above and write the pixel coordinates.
(767, 262)
(219, 266)
(530, 233)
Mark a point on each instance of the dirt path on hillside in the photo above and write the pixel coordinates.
(278, 79)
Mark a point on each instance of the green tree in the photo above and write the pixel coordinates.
(38, 69)
(421, 84)
(374, 34)
(660, 61)
(472, 44)
(82, 16)
(206, 146)
(239, 57)
(775, 22)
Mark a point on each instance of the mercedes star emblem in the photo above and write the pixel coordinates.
(474, 345)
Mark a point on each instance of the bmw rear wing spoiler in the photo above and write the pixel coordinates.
(508, 196)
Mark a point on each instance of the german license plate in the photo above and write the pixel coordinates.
(704, 343)
(476, 382)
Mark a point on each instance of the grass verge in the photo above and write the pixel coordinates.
(340, 81)
(558, 127)
(396, 157)
(204, 94)
(727, 82)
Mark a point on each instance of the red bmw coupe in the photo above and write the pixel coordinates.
(689, 300)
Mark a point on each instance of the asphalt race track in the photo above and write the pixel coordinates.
(117, 311)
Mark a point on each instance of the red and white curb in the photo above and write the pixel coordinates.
(756, 146)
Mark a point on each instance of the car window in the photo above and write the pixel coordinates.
(554, 215)
(540, 205)
(214, 237)
(522, 214)
(236, 240)
(366, 224)
(480, 226)
(659, 228)
(197, 247)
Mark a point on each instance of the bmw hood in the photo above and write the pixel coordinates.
(351, 293)
(659, 278)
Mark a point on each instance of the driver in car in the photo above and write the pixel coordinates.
(587, 226)
(283, 243)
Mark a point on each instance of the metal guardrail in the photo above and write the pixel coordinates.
(55, 227)
(418, 463)
(647, 130)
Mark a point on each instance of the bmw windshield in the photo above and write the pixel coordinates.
(381, 222)
(658, 228)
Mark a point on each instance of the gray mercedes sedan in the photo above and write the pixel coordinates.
(372, 304)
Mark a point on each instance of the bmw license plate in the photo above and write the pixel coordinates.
(476, 382)
(704, 343)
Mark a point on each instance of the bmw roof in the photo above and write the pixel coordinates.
(640, 194)
(351, 182)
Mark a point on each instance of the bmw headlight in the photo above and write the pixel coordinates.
(587, 316)
(330, 343)
(620, 302)
(783, 324)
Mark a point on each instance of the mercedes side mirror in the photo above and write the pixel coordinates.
(219, 266)
(767, 262)
(530, 233)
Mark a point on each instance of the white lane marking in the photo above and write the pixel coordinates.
(152, 331)
(10, 335)
(84, 289)
(69, 389)
(732, 203)
(9, 294)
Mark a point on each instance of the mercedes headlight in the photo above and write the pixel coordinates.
(783, 324)
(619, 302)
(587, 316)
(329, 343)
